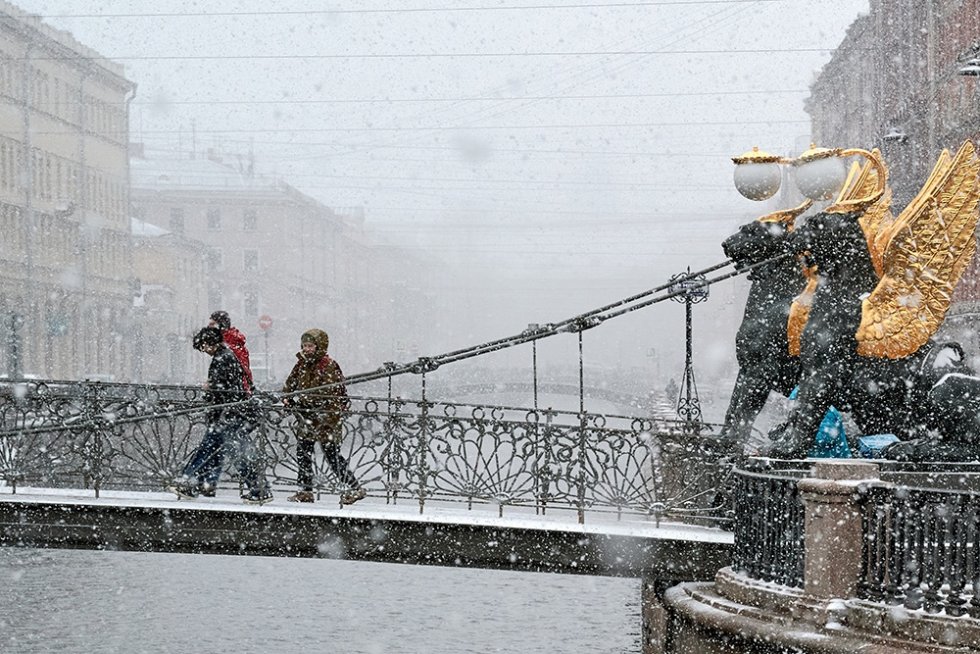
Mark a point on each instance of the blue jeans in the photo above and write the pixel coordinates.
(226, 438)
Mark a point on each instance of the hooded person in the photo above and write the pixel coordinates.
(235, 340)
(319, 415)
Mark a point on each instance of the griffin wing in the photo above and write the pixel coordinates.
(925, 251)
(786, 216)
(799, 311)
(858, 194)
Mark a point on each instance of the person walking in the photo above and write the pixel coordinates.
(228, 426)
(319, 415)
(235, 340)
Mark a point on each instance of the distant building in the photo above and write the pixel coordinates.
(169, 306)
(900, 81)
(65, 266)
(271, 250)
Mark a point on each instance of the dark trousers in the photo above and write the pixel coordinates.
(229, 438)
(331, 451)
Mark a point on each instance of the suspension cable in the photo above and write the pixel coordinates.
(422, 365)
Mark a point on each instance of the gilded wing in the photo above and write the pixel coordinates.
(799, 311)
(786, 216)
(850, 183)
(863, 187)
(876, 223)
(926, 250)
(859, 194)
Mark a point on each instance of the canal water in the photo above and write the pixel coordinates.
(130, 603)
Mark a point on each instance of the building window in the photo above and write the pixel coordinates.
(214, 296)
(214, 260)
(177, 220)
(250, 260)
(250, 221)
(250, 302)
(5, 166)
(214, 218)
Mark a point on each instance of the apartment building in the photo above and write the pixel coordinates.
(66, 282)
(269, 250)
(902, 81)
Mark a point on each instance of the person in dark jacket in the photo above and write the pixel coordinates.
(228, 426)
(319, 415)
(235, 340)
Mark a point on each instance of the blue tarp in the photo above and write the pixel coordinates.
(831, 440)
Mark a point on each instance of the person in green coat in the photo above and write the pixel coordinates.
(319, 415)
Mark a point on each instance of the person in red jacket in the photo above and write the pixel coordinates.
(235, 340)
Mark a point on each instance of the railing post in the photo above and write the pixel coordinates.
(833, 534)
(423, 452)
(582, 464)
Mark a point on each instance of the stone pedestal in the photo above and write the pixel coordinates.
(833, 537)
(737, 613)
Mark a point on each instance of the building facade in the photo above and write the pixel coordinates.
(901, 81)
(169, 306)
(66, 282)
(273, 254)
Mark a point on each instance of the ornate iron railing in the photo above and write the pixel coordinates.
(922, 548)
(769, 521)
(120, 436)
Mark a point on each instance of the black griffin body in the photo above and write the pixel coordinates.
(761, 345)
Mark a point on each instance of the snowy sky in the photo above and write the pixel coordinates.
(568, 152)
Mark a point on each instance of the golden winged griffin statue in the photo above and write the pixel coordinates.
(868, 292)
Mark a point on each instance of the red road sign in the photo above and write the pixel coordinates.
(265, 322)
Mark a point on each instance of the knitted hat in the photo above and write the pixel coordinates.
(207, 336)
(221, 319)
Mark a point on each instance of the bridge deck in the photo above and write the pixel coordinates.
(371, 530)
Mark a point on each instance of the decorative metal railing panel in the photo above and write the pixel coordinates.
(769, 521)
(139, 437)
(922, 549)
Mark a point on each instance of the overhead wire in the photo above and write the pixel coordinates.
(402, 10)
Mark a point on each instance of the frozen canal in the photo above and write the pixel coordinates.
(127, 603)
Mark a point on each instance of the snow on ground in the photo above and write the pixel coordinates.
(375, 508)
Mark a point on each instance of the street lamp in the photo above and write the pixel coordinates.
(970, 68)
(819, 173)
(689, 289)
(895, 135)
(757, 174)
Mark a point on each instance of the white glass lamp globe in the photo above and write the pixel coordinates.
(757, 174)
(819, 173)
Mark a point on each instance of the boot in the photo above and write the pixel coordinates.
(353, 495)
(257, 496)
(302, 496)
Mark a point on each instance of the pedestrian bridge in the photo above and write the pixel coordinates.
(85, 465)
(371, 531)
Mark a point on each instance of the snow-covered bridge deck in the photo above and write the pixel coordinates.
(371, 530)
